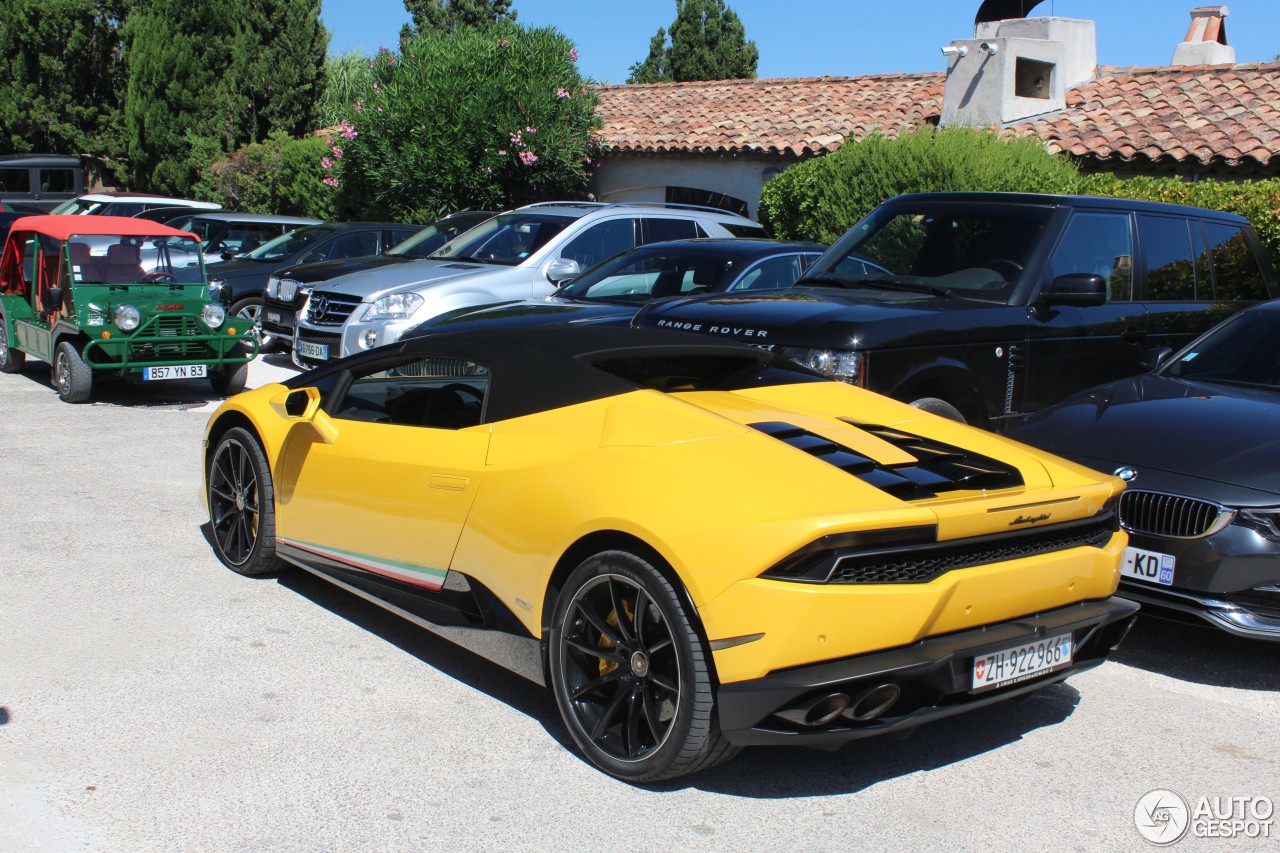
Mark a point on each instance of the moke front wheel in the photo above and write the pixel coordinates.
(71, 376)
(630, 675)
(242, 515)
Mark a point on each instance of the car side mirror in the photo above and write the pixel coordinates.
(1154, 358)
(228, 254)
(562, 269)
(1078, 290)
(51, 299)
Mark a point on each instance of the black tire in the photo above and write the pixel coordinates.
(230, 379)
(249, 310)
(72, 378)
(936, 406)
(630, 675)
(242, 510)
(11, 360)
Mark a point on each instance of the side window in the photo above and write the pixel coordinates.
(15, 181)
(57, 181)
(601, 242)
(1098, 244)
(1169, 257)
(657, 230)
(352, 246)
(434, 392)
(30, 252)
(773, 273)
(1235, 269)
(399, 235)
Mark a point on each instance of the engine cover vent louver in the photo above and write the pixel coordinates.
(937, 467)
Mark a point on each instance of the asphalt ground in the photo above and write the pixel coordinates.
(151, 699)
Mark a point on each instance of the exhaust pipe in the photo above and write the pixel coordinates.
(873, 702)
(817, 712)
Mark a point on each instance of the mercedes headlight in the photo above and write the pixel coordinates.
(844, 365)
(127, 318)
(394, 306)
(213, 315)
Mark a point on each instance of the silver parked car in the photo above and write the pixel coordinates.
(522, 254)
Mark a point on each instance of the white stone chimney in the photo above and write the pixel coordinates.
(1206, 41)
(1014, 69)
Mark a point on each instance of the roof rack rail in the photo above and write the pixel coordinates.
(675, 205)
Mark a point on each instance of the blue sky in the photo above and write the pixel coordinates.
(806, 38)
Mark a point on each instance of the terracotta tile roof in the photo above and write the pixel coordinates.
(790, 116)
(1226, 114)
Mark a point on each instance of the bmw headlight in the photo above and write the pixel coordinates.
(1265, 520)
(844, 365)
(213, 315)
(273, 287)
(127, 318)
(394, 306)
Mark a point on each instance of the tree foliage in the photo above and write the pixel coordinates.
(191, 86)
(707, 42)
(346, 80)
(469, 118)
(449, 15)
(61, 75)
(280, 175)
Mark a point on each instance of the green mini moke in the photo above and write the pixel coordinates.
(103, 296)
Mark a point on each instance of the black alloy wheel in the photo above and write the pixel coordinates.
(630, 674)
(249, 310)
(242, 505)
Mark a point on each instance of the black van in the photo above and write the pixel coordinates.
(39, 182)
(984, 307)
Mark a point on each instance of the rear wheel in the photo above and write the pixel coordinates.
(71, 376)
(11, 360)
(242, 514)
(630, 675)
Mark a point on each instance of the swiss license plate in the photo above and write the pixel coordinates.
(273, 317)
(310, 350)
(1021, 663)
(176, 371)
(1149, 566)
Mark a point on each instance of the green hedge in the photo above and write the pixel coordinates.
(281, 176)
(821, 199)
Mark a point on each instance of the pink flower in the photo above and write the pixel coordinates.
(502, 152)
(337, 152)
(573, 55)
(348, 129)
(528, 158)
(375, 88)
(530, 130)
(326, 163)
(330, 182)
(503, 43)
(562, 92)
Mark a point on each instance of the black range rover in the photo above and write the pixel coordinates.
(986, 306)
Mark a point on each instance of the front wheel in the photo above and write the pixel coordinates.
(242, 509)
(630, 675)
(249, 310)
(72, 377)
(230, 379)
(11, 360)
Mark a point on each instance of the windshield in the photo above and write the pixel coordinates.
(427, 241)
(100, 259)
(1245, 350)
(78, 206)
(967, 252)
(641, 275)
(506, 239)
(287, 244)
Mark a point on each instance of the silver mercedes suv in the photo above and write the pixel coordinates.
(521, 254)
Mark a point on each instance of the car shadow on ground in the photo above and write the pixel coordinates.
(171, 394)
(1202, 654)
(280, 359)
(765, 772)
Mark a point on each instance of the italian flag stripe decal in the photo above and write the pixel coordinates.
(423, 576)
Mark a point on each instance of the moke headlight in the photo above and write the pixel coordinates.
(213, 315)
(127, 318)
(844, 365)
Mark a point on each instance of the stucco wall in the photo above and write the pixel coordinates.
(646, 178)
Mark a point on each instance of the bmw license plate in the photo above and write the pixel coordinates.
(1149, 566)
(310, 350)
(1021, 663)
(273, 317)
(175, 371)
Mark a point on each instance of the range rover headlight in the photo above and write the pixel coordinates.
(127, 318)
(214, 315)
(394, 306)
(844, 365)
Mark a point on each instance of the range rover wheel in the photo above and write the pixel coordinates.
(242, 513)
(936, 406)
(72, 378)
(630, 675)
(11, 360)
(249, 310)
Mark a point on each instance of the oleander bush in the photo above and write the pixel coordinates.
(280, 175)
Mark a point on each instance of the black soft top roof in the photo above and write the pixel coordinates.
(542, 368)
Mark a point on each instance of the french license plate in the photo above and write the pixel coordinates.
(1149, 566)
(310, 350)
(1021, 663)
(177, 371)
(273, 317)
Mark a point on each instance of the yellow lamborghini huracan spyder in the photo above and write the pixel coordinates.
(696, 546)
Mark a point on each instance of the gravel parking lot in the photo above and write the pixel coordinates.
(150, 699)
